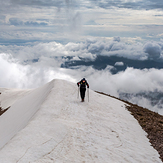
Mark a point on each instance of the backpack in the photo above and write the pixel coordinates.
(83, 83)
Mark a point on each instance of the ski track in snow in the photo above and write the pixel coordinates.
(65, 130)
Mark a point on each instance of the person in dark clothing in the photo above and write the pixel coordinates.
(83, 83)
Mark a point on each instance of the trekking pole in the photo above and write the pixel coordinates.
(88, 94)
(78, 93)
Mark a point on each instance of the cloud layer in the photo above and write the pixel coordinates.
(65, 20)
(87, 50)
(31, 66)
(117, 45)
(131, 4)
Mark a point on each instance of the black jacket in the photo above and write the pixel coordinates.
(83, 83)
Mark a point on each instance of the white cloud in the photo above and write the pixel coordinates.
(153, 49)
(88, 50)
(119, 64)
(16, 75)
(117, 39)
(130, 81)
(12, 74)
(35, 63)
(19, 68)
(66, 20)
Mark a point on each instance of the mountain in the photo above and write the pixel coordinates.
(50, 124)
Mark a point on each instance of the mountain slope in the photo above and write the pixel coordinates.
(63, 129)
(21, 111)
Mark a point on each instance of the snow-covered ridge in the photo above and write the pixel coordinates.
(9, 96)
(50, 124)
(21, 111)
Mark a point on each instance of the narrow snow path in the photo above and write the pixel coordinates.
(67, 130)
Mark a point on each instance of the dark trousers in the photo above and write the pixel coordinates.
(82, 92)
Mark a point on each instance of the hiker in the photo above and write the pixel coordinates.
(83, 83)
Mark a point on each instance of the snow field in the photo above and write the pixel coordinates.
(54, 126)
